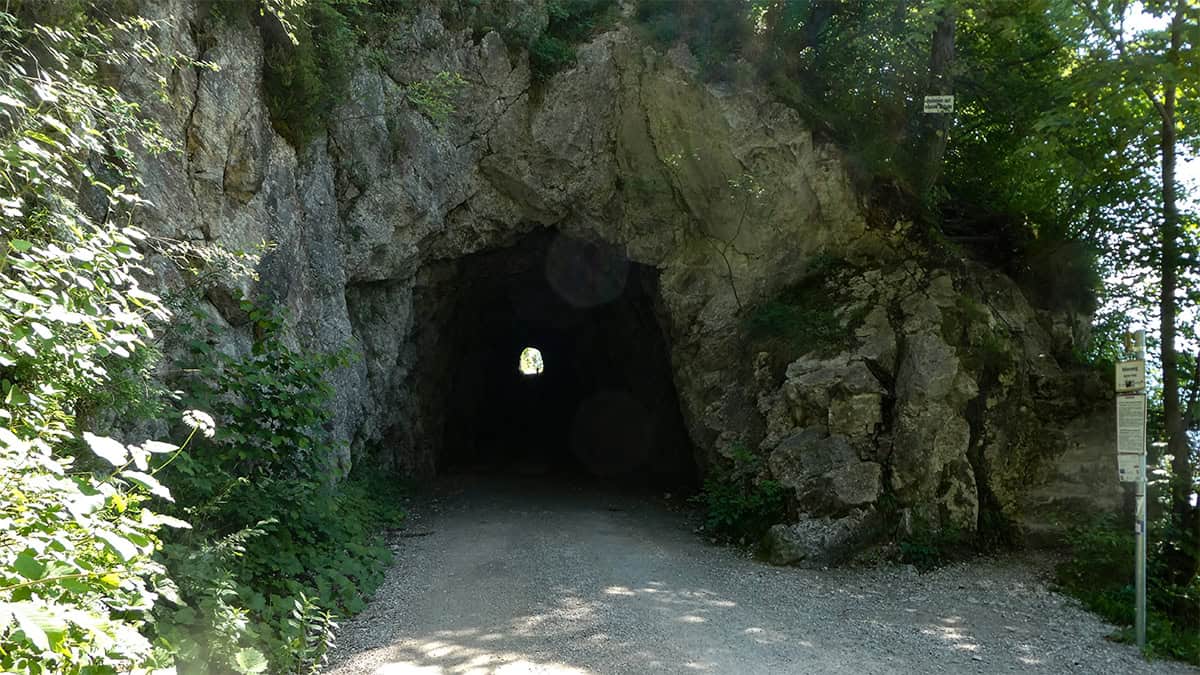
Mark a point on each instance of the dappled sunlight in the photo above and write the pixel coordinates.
(951, 631)
(616, 604)
(583, 619)
(441, 657)
(766, 636)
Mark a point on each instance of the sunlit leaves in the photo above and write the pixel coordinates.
(76, 573)
(106, 448)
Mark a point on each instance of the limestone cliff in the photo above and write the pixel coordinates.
(947, 403)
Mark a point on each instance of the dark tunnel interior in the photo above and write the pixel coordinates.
(604, 408)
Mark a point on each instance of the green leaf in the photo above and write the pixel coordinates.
(20, 244)
(37, 622)
(16, 396)
(119, 545)
(250, 661)
(150, 483)
(27, 566)
(106, 448)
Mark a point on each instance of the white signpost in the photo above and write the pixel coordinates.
(1131, 375)
(939, 103)
(1131, 459)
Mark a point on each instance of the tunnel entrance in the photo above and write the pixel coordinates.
(603, 404)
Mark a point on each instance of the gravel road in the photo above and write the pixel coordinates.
(519, 578)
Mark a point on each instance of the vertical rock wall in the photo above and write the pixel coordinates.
(721, 189)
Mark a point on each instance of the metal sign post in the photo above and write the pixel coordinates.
(1131, 460)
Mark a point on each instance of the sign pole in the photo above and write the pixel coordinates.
(1140, 538)
(1131, 458)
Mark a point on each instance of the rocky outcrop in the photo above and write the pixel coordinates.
(718, 187)
(948, 411)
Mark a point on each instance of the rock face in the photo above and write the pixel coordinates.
(946, 401)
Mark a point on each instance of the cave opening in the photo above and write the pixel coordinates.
(552, 361)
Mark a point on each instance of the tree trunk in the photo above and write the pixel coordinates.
(1182, 563)
(936, 126)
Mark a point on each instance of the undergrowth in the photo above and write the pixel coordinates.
(571, 22)
(307, 67)
(1100, 574)
(739, 506)
(278, 550)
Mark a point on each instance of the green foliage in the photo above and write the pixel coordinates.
(740, 506)
(716, 31)
(549, 54)
(804, 317)
(927, 548)
(1100, 574)
(83, 565)
(571, 22)
(434, 97)
(980, 343)
(307, 66)
(78, 511)
(300, 550)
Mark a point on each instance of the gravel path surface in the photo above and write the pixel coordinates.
(515, 578)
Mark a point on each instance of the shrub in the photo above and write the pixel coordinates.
(548, 55)
(803, 317)
(308, 63)
(79, 519)
(278, 550)
(715, 31)
(926, 548)
(1100, 574)
(571, 22)
(739, 506)
(434, 97)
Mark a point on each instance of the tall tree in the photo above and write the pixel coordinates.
(936, 128)
(1159, 66)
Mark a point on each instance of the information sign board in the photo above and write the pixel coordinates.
(939, 104)
(1131, 434)
(1131, 375)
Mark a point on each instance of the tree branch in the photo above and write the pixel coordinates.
(1119, 40)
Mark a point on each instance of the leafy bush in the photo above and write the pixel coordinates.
(927, 549)
(739, 506)
(78, 510)
(802, 318)
(571, 22)
(434, 97)
(278, 549)
(83, 565)
(715, 31)
(1100, 574)
(307, 67)
(548, 55)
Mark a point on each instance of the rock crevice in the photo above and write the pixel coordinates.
(722, 191)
